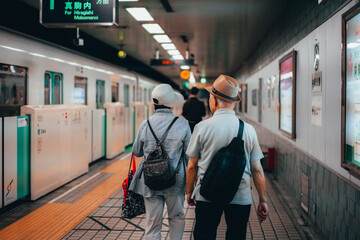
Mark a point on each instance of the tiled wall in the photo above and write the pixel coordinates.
(337, 201)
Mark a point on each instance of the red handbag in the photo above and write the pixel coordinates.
(133, 204)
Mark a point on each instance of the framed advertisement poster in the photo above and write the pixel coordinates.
(350, 103)
(287, 94)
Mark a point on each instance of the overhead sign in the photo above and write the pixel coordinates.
(171, 62)
(185, 74)
(75, 13)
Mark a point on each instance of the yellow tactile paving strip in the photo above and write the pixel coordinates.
(55, 220)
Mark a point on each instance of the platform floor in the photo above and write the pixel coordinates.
(90, 208)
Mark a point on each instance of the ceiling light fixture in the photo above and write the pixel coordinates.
(185, 67)
(153, 28)
(174, 52)
(140, 14)
(168, 46)
(128, 0)
(162, 38)
(178, 57)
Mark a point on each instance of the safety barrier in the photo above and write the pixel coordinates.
(58, 136)
(15, 158)
(115, 129)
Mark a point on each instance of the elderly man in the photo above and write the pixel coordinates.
(208, 137)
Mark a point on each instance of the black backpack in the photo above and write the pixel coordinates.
(159, 173)
(222, 178)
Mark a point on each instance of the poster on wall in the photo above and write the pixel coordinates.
(287, 90)
(274, 93)
(268, 92)
(316, 82)
(350, 120)
(316, 103)
(254, 97)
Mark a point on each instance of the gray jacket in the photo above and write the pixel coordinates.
(175, 144)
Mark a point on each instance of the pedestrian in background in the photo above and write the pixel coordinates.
(193, 109)
(208, 137)
(175, 144)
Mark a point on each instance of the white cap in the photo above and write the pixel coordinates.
(164, 94)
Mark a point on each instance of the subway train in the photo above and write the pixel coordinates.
(38, 76)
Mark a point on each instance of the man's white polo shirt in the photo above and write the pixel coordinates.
(214, 133)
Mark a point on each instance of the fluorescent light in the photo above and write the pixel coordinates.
(140, 14)
(153, 28)
(178, 57)
(174, 52)
(168, 46)
(128, 0)
(185, 67)
(162, 38)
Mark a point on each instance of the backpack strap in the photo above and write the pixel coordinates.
(166, 132)
(152, 131)
(241, 129)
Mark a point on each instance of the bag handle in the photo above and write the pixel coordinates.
(132, 160)
(167, 130)
(241, 129)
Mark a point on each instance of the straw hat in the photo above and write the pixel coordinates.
(225, 88)
(163, 94)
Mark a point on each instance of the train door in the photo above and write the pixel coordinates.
(128, 115)
(53, 88)
(100, 94)
(80, 90)
(114, 92)
(13, 89)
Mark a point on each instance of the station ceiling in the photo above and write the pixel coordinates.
(221, 34)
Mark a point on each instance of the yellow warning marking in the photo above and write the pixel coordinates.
(55, 220)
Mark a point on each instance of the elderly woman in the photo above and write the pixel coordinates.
(175, 145)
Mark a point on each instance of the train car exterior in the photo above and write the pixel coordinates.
(38, 73)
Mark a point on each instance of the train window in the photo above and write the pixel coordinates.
(53, 88)
(149, 95)
(80, 90)
(100, 93)
(47, 92)
(126, 95)
(139, 94)
(114, 92)
(12, 89)
(144, 96)
(134, 94)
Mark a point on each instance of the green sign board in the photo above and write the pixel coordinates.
(75, 13)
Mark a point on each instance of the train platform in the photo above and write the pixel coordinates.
(90, 208)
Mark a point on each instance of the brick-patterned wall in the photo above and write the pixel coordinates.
(337, 201)
(299, 18)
